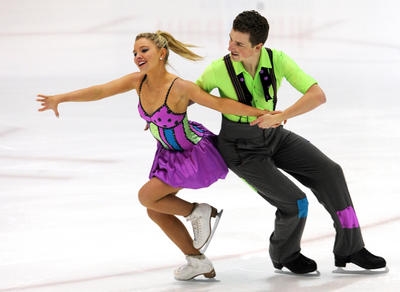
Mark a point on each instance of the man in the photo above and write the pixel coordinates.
(257, 149)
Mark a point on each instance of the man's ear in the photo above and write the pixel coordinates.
(259, 46)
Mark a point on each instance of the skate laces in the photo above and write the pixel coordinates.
(197, 225)
(200, 219)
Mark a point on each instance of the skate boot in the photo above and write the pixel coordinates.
(196, 265)
(201, 223)
(362, 258)
(300, 265)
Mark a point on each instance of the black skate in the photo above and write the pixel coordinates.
(369, 263)
(301, 265)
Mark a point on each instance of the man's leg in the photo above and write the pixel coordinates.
(250, 158)
(325, 178)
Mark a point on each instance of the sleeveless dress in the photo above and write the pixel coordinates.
(186, 155)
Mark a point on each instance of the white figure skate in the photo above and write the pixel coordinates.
(201, 223)
(196, 265)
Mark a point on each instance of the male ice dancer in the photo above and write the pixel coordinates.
(258, 149)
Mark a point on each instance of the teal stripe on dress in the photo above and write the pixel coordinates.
(169, 135)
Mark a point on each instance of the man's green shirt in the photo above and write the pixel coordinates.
(216, 76)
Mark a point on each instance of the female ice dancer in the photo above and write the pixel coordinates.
(186, 155)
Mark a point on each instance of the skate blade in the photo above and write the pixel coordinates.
(217, 218)
(208, 276)
(287, 272)
(340, 270)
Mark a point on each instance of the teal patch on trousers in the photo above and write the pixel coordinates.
(302, 206)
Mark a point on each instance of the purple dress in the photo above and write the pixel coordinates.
(186, 155)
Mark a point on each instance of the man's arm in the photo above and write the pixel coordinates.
(313, 98)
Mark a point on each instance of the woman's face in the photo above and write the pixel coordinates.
(146, 54)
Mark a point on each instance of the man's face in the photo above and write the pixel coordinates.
(240, 46)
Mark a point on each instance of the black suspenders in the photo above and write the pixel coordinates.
(275, 98)
(235, 81)
(236, 84)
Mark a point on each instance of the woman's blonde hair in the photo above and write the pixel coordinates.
(165, 40)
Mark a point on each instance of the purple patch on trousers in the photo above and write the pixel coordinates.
(348, 218)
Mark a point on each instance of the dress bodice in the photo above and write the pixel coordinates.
(173, 130)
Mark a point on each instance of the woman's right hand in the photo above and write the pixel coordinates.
(48, 102)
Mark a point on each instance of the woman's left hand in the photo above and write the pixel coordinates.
(272, 119)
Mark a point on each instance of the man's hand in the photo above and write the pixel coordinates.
(272, 119)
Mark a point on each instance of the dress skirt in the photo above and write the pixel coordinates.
(193, 168)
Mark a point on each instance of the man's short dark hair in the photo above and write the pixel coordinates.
(254, 24)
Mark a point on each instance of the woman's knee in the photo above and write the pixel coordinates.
(153, 215)
(144, 197)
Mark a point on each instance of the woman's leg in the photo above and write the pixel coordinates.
(175, 230)
(162, 205)
(161, 197)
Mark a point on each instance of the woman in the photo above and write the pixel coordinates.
(186, 156)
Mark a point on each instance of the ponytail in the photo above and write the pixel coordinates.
(165, 40)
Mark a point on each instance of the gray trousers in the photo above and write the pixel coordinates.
(260, 155)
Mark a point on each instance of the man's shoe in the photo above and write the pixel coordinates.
(300, 265)
(362, 258)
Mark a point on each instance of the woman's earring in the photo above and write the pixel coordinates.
(160, 58)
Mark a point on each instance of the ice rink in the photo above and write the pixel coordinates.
(69, 215)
